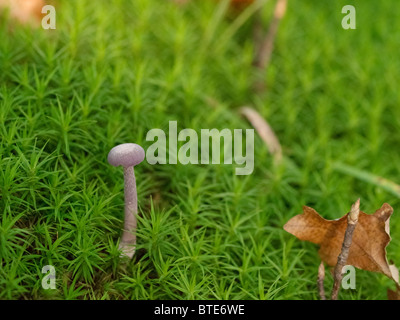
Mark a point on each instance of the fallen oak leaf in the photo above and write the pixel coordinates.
(25, 11)
(369, 242)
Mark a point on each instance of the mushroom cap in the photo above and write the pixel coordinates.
(126, 155)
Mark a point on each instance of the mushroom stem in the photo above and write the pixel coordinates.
(128, 155)
(128, 238)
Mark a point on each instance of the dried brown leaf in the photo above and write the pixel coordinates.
(368, 247)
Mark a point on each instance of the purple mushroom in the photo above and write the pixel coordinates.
(128, 155)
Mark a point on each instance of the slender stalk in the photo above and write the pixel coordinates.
(264, 52)
(352, 220)
(321, 279)
(128, 238)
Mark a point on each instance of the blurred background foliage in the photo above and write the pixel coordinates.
(112, 70)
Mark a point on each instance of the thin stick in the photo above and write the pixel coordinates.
(258, 32)
(264, 53)
(352, 220)
(265, 131)
(386, 184)
(321, 279)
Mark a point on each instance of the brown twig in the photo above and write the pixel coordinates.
(264, 52)
(352, 220)
(265, 131)
(321, 279)
(258, 32)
